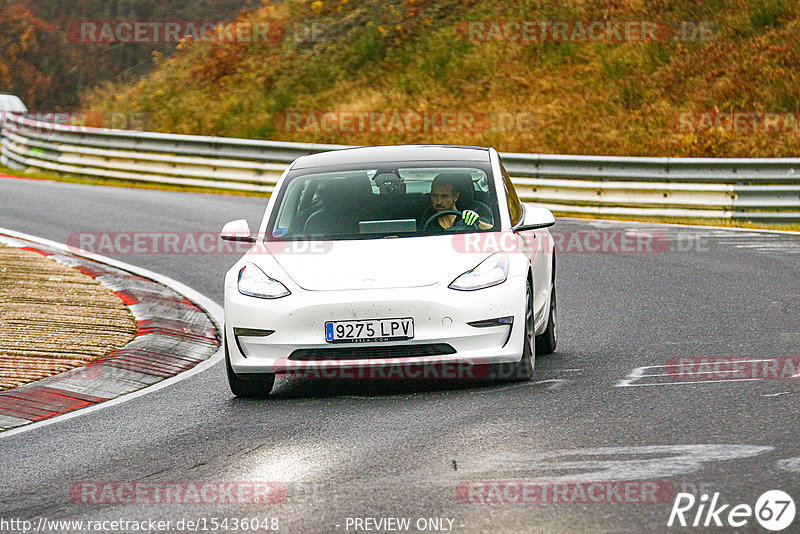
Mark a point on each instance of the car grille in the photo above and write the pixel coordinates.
(369, 353)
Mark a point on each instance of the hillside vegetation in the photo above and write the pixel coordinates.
(568, 96)
(44, 61)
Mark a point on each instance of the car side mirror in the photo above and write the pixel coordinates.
(534, 218)
(237, 230)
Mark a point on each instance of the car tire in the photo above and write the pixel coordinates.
(547, 340)
(523, 369)
(255, 386)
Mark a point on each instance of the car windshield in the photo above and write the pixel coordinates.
(385, 200)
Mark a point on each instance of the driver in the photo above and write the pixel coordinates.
(444, 198)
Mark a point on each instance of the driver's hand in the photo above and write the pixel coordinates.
(470, 217)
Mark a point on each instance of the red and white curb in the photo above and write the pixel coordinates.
(174, 334)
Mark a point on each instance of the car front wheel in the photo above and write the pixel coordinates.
(523, 369)
(254, 386)
(546, 341)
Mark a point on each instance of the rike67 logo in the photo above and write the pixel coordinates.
(774, 510)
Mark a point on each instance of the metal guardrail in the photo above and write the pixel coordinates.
(751, 189)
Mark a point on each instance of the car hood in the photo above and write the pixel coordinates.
(376, 263)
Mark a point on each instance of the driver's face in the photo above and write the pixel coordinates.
(443, 198)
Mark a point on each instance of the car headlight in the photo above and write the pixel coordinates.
(490, 272)
(254, 283)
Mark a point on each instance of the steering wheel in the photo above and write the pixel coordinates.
(436, 216)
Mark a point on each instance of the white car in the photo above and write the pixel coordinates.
(394, 256)
(9, 104)
(12, 103)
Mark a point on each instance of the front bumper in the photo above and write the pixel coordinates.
(440, 317)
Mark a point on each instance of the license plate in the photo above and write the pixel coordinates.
(369, 330)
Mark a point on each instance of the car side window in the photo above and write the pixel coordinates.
(514, 205)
